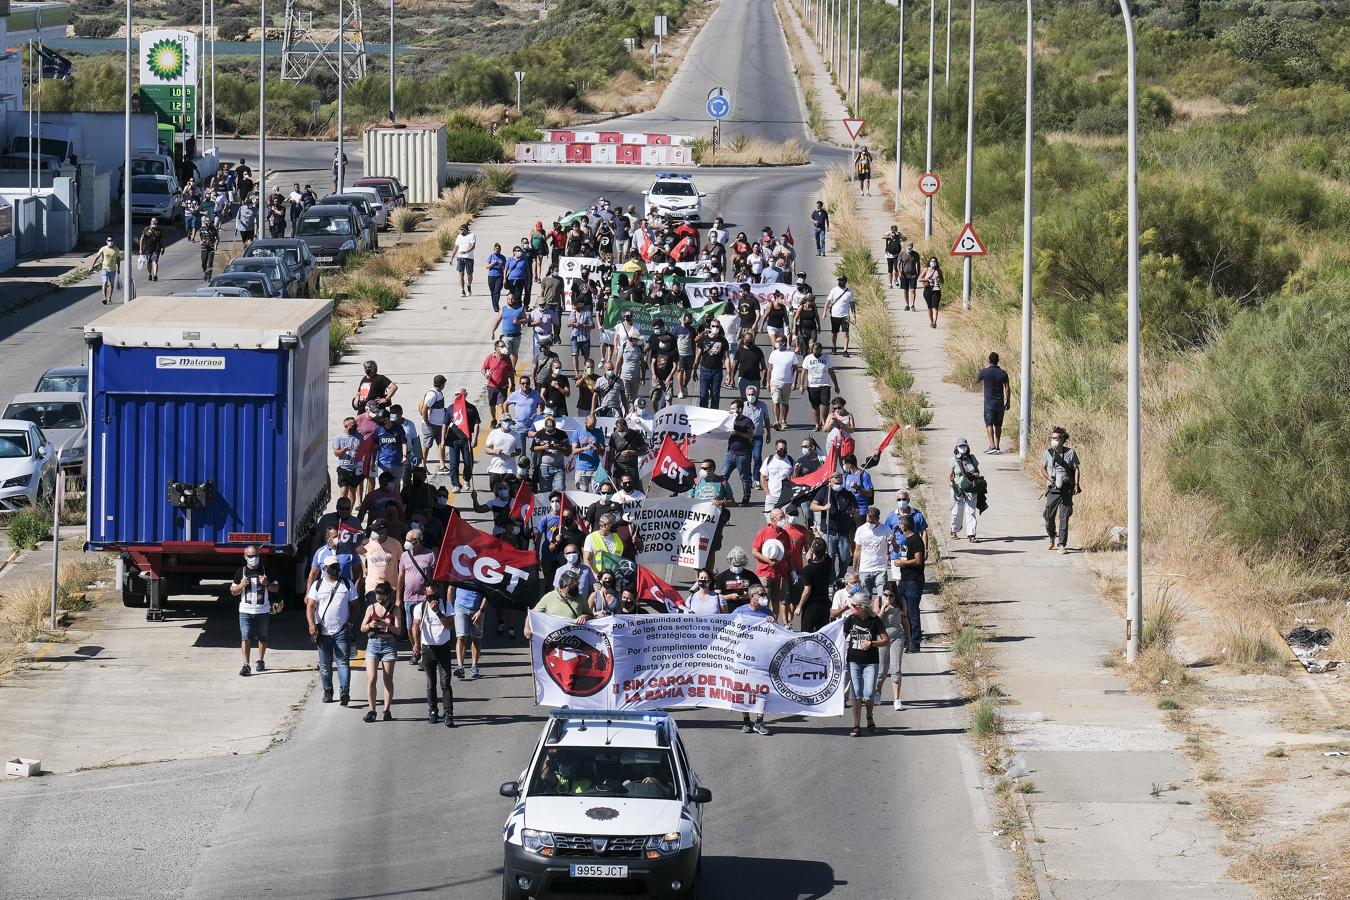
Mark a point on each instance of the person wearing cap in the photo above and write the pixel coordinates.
(391, 446)
(903, 507)
(894, 246)
(382, 624)
(1062, 471)
(380, 554)
(865, 635)
(964, 479)
(327, 610)
(434, 629)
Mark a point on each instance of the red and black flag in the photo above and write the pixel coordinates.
(802, 487)
(522, 507)
(671, 468)
(459, 414)
(875, 458)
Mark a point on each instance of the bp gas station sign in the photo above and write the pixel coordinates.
(168, 76)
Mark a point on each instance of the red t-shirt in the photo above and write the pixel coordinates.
(798, 537)
(498, 370)
(781, 568)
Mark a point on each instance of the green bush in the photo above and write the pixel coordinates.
(1242, 92)
(473, 145)
(1270, 431)
(339, 339)
(520, 131)
(499, 179)
(382, 292)
(29, 527)
(1102, 120)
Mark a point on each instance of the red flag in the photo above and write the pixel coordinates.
(485, 563)
(671, 468)
(885, 442)
(649, 587)
(644, 244)
(459, 414)
(787, 237)
(677, 252)
(522, 507)
(365, 454)
(349, 536)
(803, 486)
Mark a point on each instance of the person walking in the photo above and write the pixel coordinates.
(382, 623)
(963, 477)
(820, 223)
(817, 375)
(1062, 471)
(246, 222)
(737, 457)
(710, 359)
(840, 303)
(470, 611)
(704, 600)
(208, 237)
(434, 417)
(892, 656)
(774, 570)
(931, 279)
(565, 600)
(327, 610)
(895, 249)
(415, 567)
(909, 276)
(254, 590)
(816, 577)
(866, 636)
(757, 608)
(997, 399)
(871, 543)
(465, 243)
(460, 443)
(862, 164)
(150, 246)
(434, 622)
(109, 262)
(276, 215)
(835, 507)
(911, 555)
(496, 276)
(784, 365)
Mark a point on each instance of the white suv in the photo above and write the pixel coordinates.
(607, 804)
(674, 197)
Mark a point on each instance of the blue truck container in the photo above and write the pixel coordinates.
(207, 433)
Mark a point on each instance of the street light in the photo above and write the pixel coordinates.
(947, 63)
(857, 57)
(900, 109)
(127, 290)
(262, 113)
(1134, 608)
(967, 263)
(342, 46)
(392, 117)
(1024, 420)
(928, 140)
(213, 82)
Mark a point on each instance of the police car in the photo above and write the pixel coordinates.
(673, 197)
(607, 805)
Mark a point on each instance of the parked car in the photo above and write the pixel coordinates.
(274, 268)
(62, 418)
(64, 378)
(377, 205)
(27, 465)
(156, 195)
(297, 255)
(333, 231)
(390, 188)
(361, 204)
(221, 291)
(256, 283)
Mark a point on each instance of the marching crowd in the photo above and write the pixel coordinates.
(563, 423)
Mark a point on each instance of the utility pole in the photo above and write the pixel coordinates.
(947, 66)
(262, 115)
(213, 80)
(848, 47)
(857, 57)
(967, 264)
(900, 109)
(928, 139)
(1024, 419)
(127, 269)
(520, 78)
(201, 84)
(342, 78)
(392, 117)
(1134, 608)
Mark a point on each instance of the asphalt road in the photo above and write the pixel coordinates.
(345, 809)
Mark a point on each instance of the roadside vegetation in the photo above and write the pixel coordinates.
(744, 151)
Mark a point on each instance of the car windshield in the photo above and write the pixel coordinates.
(147, 185)
(321, 225)
(290, 254)
(385, 191)
(148, 167)
(352, 199)
(48, 416)
(14, 445)
(674, 189)
(607, 771)
(62, 383)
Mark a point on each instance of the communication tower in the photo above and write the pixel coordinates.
(306, 45)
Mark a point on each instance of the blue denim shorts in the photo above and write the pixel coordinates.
(253, 626)
(863, 677)
(382, 648)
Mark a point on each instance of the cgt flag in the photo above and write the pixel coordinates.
(671, 469)
(459, 414)
(885, 442)
(803, 486)
(471, 557)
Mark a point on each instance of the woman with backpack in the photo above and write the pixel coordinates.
(863, 165)
(967, 484)
(931, 279)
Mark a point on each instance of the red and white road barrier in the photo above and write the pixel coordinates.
(641, 139)
(624, 154)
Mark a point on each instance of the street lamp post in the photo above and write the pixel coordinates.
(947, 63)
(262, 113)
(392, 117)
(213, 81)
(967, 264)
(848, 47)
(1024, 420)
(928, 139)
(342, 47)
(1134, 563)
(900, 109)
(201, 82)
(57, 499)
(127, 290)
(857, 57)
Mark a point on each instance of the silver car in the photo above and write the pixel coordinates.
(156, 196)
(27, 465)
(62, 417)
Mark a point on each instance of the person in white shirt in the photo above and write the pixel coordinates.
(817, 374)
(434, 620)
(776, 469)
(254, 590)
(840, 302)
(327, 609)
(783, 365)
(718, 233)
(839, 603)
(501, 448)
(465, 243)
(628, 491)
(703, 600)
(871, 552)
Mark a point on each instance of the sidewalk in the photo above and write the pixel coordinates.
(1095, 751)
(33, 278)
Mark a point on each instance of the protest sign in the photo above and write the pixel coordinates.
(677, 531)
(733, 661)
(643, 314)
(484, 563)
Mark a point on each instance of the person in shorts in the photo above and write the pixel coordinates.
(383, 623)
(465, 243)
(108, 259)
(254, 590)
(840, 303)
(909, 275)
(895, 247)
(500, 374)
(470, 609)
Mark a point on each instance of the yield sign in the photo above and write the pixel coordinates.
(854, 127)
(968, 243)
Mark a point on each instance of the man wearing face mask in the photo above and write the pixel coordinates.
(565, 601)
(254, 590)
(373, 387)
(1063, 479)
(499, 505)
(572, 565)
(380, 555)
(555, 387)
(552, 447)
(501, 449)
(333, 548)
(415, 566)
(627, 446)
(628, 491)
(586, 443)
(549, 537)
(412, 441)
(840, 304)
(757, 411)
(391, 445)
(460, 444)
(606, 505)
(373, 506)
(346, 447)
(604, 539)
(609, 397)
(739, 445)
(710, 360)
(735, 582)
(835, 509)
(327, 611)
(904, 508)
(663, 351)
(499, 371)
(775, 471)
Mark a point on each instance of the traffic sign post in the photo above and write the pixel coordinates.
(929, 184)
(520, 77)
(719, 107)
(854, 127)
(968, 243)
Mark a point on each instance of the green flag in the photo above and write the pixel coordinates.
(643, 314)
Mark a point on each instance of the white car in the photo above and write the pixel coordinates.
(674, 197)
(607, 804)
(377, 204)
(27, 465)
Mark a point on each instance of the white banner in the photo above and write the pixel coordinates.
(680, 421)
(729, 291)
(734, 661)
(569, 268)
(677, 531)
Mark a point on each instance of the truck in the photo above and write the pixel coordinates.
(208, 434)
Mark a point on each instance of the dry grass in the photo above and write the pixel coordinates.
(625, 93)
(1308, 866)
(405, 220)
(1234, 812)
(465, 198)
(753, 152)
(24, 607)
(560, 117)
(1248, 647)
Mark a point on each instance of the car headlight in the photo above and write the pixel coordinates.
(539, 843)
(19, 480)
(348, 245)
(659, 845)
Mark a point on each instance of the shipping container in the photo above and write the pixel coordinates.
(414, 153)
(208, 432)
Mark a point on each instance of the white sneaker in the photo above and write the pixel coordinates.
(899, 706)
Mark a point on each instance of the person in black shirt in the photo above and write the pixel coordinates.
(710, 359)
(605, 505)
(738, 450)
(913, 555)
(816, 577)
(664, 352)
(866, 635)
(373, 386)
(895, 245)
(748, 368)
(554, 387)
(734, 584)
(627, 446)
(835, 508)
(459, 446)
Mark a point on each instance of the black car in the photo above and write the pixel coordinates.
(362, 205)
(256, 283)
(297, 255)
(333, 231)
